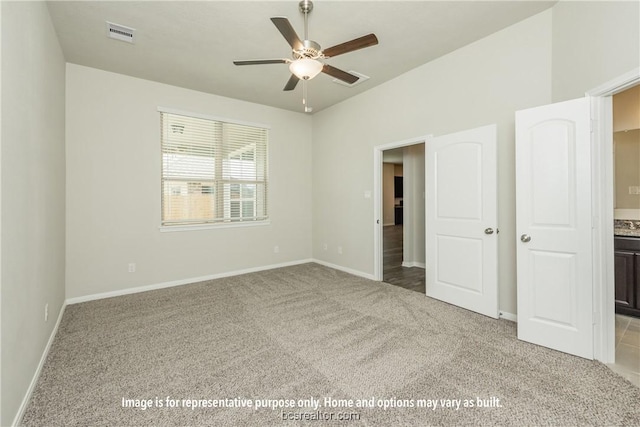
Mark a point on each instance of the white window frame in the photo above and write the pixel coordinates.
(206, 226)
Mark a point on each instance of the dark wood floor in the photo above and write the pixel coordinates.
(393, 272)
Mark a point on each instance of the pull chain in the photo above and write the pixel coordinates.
(304, 92)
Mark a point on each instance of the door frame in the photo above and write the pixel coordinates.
(377, 198)
(602, 210)
(602, 196)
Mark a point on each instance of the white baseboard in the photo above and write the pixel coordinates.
(414, 264)
(388, 224)
(508, 316)
(180, 282)
(25, 401)
(27, 397)
(345, 269)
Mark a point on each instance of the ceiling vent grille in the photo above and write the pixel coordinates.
(120, 32)
(361, 79)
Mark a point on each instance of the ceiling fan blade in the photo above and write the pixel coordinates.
(291, 84)
(284, 26)
(261, 61)
(350, 46)
(339, 74)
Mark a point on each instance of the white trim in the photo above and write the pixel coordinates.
(413, 264)
(1, 215)
(377, 213)
(603, 214)
(377, 198)
(388, 224)
(210, 117)
(194, 227)
(617, 85)
(36, 375)
(508, 316)
(602, 189)
(404, 143)
(345, 269)
(181, 282)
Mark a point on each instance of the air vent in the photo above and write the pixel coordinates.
(361, 78)
(120, 32)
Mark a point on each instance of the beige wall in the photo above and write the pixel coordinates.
(112, 172)
(388, 191)
(33, 194)
(413, 241)
(113, 187)
(627, 168)
(556, 55)
(593, 42)
(482, 83)
(626, 110)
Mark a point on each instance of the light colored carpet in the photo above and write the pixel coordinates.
(310, 331)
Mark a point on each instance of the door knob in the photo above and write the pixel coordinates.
(525, 238)
(488, 230)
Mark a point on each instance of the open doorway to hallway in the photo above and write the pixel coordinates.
(403, 236)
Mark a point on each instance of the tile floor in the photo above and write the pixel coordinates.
(627, 348)
(412, 278)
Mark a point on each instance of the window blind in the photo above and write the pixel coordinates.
(212, 171)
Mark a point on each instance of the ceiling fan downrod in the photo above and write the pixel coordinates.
(306, 6)
(310, 48)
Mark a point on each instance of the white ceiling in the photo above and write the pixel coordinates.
(192, 43)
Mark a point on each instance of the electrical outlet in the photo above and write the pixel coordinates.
(340, 250)
(633, 189)
(325, 247)
(46, 312)
(276, 249)
(132, 267)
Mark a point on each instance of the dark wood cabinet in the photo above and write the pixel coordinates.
(398, 216)
(627, 265)
(625, 279)
(397, 187)
(638, 285)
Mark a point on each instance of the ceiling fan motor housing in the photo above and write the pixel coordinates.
(310, 49)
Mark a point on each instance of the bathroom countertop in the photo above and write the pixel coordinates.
(626, 232)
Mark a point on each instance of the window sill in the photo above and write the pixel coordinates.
(174, 228)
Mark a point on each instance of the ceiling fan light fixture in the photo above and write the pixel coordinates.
(305, 68)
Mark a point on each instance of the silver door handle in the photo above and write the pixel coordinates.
(488, 230)
(525, 238)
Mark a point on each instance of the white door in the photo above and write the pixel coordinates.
(553, 226)
(462, 241)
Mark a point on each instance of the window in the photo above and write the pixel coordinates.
(212, 171)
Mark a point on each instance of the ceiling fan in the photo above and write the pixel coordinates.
(307, 54)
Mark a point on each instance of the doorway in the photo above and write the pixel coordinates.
(626, 214)
(603, 212)
(395, 150)
(403, 217)
(456, 197)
